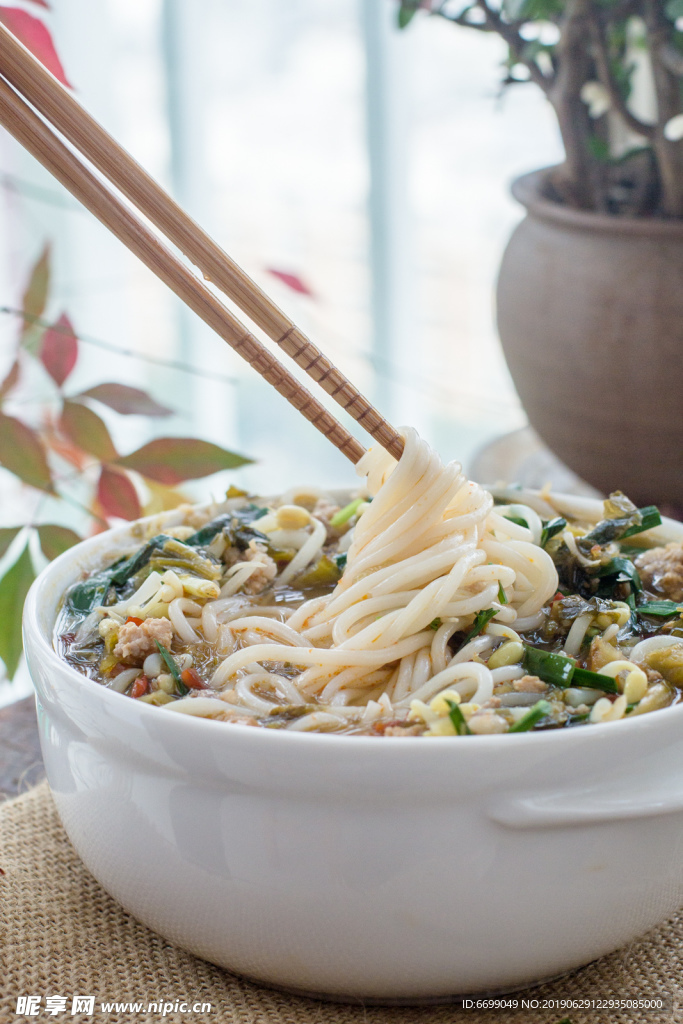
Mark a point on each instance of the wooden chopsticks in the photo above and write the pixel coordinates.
(63, 113)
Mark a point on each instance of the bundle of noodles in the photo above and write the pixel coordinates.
(428, 554)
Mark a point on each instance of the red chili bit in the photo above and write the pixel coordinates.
(140, 687)
(192, 678)
(131, 618)
(559, 596)
(117, 669)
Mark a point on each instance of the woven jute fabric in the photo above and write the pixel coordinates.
(62, 935)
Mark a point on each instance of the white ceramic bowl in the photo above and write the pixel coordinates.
(358, 866)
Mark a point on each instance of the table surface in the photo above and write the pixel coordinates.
(21, 763)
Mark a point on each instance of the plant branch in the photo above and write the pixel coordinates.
(495, 23)
(607, 79)
(672, 59)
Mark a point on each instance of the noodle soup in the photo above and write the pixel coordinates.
(422, 608)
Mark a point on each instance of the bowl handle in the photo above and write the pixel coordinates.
(585, 807)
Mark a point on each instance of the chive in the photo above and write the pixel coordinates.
(170, 663)
(344, 514)
(533, 715)
(501, 594)
(577, 720)
(550, 528)
(481, 621)
(594, 680)
(519, 521)
(651, 517)
(662, 609)
(551, 668)
(434, 624)
(458, 719)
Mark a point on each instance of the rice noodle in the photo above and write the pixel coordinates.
(427, 548)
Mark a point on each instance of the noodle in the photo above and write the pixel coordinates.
(435, 581)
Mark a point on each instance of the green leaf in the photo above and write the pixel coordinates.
(518, 520)
(126, 400)
(7, 535)
(87, 431)
(551, 528)
(618, 570)
(22, 453)
(434, 624)
(341, 561)
(406, 13)
(55, 540)
(502, 599)
(660, 609)
(14, 587)
(35, 297)
(170, 460)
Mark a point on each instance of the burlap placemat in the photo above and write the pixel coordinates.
(62, 936)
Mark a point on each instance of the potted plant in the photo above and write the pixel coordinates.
(590, 292)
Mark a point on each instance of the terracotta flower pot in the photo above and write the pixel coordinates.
(590, 314)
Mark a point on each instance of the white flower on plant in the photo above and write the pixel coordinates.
(673, 129)
(596, 98)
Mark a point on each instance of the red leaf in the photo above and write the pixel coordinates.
(170, 460)
(85, 428)
(117, 495)
(126, 400)
(59, 350)
(35, 296)
(54, 539)
(10, 380)
(22, 453)
(35, 37)
(292, 281)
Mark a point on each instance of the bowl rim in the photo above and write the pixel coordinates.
(44, 647)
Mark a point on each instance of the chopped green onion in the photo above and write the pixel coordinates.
(481, 621)
(662, 609)
(170, 663)
(434, 624)
(540, 709)
(551, 668)
(344, 514)
(550, 528)
(501, 594)
(594, 680)
(458, 719)
(518, 520)
(651, 517)
(560, 671)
